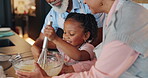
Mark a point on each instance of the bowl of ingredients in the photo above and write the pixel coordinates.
(23, 62)
(54, 63)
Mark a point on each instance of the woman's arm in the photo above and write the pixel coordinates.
(78, 67)
(116, 57)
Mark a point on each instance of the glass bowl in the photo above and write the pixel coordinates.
(54, 63)
(23, 62)
(4, 61)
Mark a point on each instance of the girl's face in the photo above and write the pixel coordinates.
(74, 33)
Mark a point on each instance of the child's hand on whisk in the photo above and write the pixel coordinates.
(50, 33)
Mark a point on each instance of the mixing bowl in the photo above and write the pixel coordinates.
(23, 62)
(54, 63)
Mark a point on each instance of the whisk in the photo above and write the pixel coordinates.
(43, 56)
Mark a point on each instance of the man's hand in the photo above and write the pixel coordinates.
(36, 52)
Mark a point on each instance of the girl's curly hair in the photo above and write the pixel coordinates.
(88, 22)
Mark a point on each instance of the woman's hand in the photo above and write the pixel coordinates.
(50, 33)
(38, 73)
(67, 69)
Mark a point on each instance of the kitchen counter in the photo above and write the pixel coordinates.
(19, 46)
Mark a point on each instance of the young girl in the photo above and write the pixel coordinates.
(79, 30)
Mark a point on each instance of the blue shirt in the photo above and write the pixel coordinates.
(78, 6)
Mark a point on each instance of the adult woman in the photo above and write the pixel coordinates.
(124, 50)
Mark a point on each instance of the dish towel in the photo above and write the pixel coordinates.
(6, 33)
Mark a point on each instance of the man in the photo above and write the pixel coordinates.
(60, 9)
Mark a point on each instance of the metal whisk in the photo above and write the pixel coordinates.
(43, 56)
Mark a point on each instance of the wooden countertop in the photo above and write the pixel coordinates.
(20, 46)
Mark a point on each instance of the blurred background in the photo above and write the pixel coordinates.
(26, 17)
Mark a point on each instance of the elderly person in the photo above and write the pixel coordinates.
(124, 50)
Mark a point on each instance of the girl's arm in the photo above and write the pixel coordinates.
(71, 51)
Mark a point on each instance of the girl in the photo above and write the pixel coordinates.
(79, 30)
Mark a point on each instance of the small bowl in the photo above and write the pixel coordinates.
(23, 62)
(4, 61)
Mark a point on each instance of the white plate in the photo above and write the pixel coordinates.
(5, 29)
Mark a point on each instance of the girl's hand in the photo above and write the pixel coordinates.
(50, 33)
(67, 69)
(38, 73)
